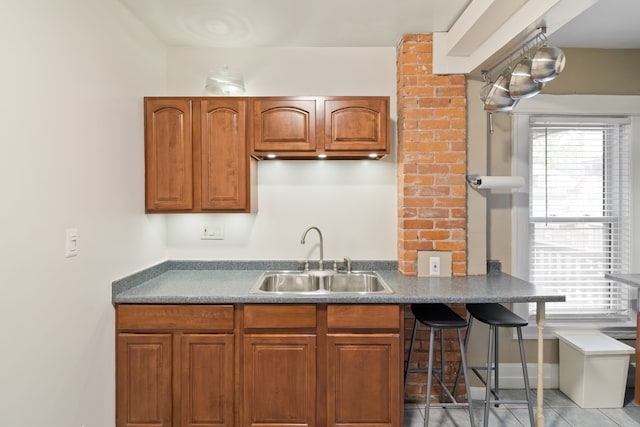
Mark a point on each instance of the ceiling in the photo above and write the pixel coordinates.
(381, 23)
(293, 23)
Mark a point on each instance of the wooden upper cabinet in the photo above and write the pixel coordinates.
(358, 124)
(284, 124)
(168, 154)
(340, 127)
(197, 157)
(223, 154)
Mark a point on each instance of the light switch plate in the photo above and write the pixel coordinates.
(71, 242)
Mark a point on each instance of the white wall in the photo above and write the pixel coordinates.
(72, 79)
(354, 203)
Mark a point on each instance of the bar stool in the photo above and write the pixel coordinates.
(496, 316)
(439, 317)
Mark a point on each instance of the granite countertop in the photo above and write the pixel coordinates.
(228, 282)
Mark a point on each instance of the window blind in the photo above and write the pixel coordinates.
(579, 214)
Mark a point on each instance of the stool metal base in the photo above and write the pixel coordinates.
(445, 393)
(493, 367)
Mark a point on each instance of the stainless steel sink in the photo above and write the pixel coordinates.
(288, 282)
(321, 282)
(362, 282)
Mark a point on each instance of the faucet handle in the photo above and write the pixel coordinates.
(306, 265)
(335, 266)
(347, 262)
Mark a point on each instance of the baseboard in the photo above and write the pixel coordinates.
(511, 375)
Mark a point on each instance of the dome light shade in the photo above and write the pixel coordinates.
(223, 82)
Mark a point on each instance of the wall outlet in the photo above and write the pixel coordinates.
(434, 266)
(213, 232)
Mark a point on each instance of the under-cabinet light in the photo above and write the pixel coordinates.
(322, 156)
(373, 155)
(271, 156)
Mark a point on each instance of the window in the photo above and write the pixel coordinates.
(575, 224)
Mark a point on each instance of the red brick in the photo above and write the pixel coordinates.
(408, 234)
(435, 235)
(417, 91)
(433, 168)
(448, 224)
(450, 245)
(450, 202)
(459, 213)
(440, 213)
(416, 224)
(419, 245)
(419, 202)
(409, 168)
(450, 135)
(407, 213)
(433, 102)
(419, 180)
(430, 123)
(450, 157)
(450, 179)
(457, 79)
(451, 91)
(459, 256)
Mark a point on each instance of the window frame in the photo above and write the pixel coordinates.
(570, 105)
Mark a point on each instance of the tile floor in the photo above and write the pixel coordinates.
(559, 411)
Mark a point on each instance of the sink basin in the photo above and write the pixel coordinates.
(356, 282)
(320, 282)
(288, 282)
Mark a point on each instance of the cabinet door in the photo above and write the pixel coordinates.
(143, 380)
(356, 125)
(363, 380)
(284, 125)
(279, 380)
(168, 154)
(223, 154)
(206, 378)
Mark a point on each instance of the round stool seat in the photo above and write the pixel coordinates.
(437, 316)
(495, 314)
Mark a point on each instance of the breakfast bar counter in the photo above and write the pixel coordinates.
(230, 282)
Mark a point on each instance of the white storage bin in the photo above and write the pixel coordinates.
(593, 369)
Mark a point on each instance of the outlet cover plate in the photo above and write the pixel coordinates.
(423, 263)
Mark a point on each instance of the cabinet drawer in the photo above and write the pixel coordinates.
(175, 317)
(269, 316)
(363, 316)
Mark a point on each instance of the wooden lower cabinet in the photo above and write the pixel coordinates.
(363, 384)
(267, 365)
(207, 380)
(175, 366)
(279, 380)
(143, 380)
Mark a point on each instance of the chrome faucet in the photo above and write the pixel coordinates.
(321, 262)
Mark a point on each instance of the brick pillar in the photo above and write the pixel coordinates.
(431, 158)
(431, 181)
